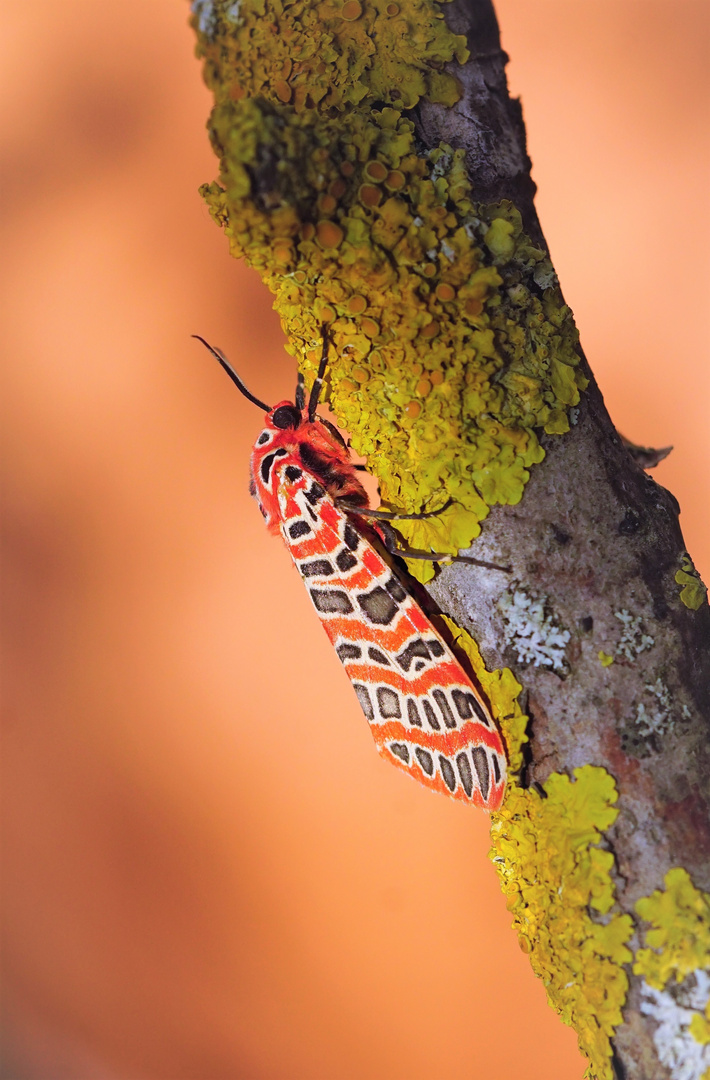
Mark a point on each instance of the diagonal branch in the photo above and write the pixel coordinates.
(374, 169)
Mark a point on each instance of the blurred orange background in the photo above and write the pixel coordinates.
(209, 873)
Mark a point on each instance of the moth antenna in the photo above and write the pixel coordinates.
(300, 393)
(222, 359)
(316, 388)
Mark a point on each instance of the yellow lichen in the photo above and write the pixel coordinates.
(699, 1026)
(605, 659)
(557, 880)
(694, 593)
(329, 54)
(449, 314)
(678, 940)
(679, 937)
(560, 892)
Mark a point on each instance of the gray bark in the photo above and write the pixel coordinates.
(595, 541)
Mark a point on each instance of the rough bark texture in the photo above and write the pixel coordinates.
(598, 541)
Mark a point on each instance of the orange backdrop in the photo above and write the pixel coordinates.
(209, 873)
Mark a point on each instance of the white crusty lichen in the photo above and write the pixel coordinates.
(657, 718)
(206, 17)
(530, 629)
(634, 639)
(676, 1046)
(441, 164)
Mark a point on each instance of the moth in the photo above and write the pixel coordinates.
(426, 715)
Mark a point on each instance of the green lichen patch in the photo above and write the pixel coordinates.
(451, 346)
(329, 55)
(679, 936)
(694, 593)
(700, 1026)
(561, 894)
(675, 967)
(448, 359)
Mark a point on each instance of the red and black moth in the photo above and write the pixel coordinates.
(424, 712)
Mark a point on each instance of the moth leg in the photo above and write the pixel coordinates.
(393, 545)
(333, 431)
(386, 515)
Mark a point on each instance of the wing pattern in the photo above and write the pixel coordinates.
(425, 714)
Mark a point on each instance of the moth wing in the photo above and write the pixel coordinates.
(425, 714)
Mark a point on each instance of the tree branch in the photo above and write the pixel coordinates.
(374, 169)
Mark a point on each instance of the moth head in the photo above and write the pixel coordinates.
(285, 416)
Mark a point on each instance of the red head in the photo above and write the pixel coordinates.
(294, 437)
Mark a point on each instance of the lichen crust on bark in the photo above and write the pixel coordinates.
(675, 968)
(451, 342)
(558, 880)
(694, 592)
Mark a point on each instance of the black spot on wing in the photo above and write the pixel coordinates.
(447, 771)
(315, 493)
(364, 699)
(468, 706)
(431, 715)
(465, 773)
(378, 606)
(425, 760)
(414, 648)
(413, 713)
(377, 656)
(435, 647)
(268, 461)
(317, 568)
(351, 537)
(293, 473)
(395, 589)
(331, 601)
(298, 529)
(480, 761)
(388, 703)
(345, 560)
(440, 699)
(462, 706)
(478, 709)
(400, 750)
(496, 768)
(263, 438)
(349, 652)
